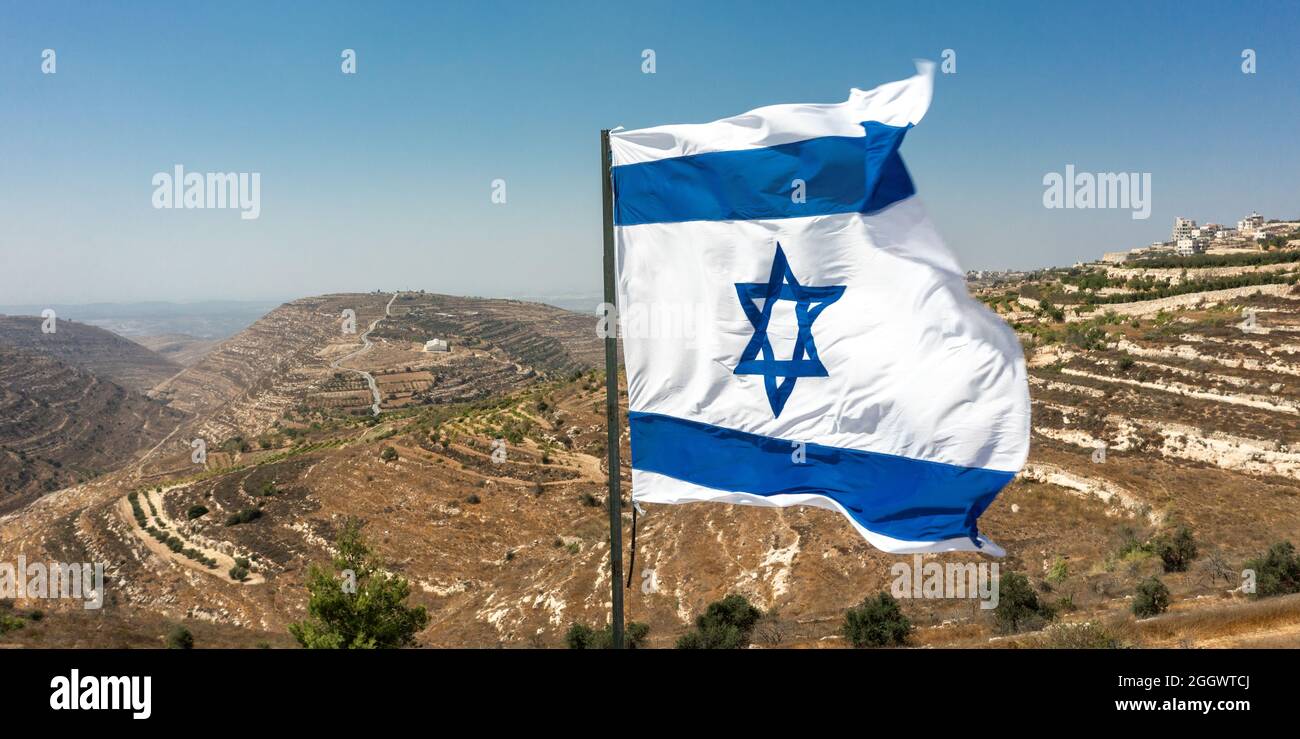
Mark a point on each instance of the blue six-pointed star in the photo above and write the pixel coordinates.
(810, 302)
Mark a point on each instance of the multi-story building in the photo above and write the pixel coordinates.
(1183, 228)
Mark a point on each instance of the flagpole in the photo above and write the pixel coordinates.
(611, 398)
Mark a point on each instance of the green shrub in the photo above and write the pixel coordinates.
(1019, 608)
(180, 638)
(247, 515)
(388, 454)
(725, 624)
(238, 573)
(9, 623)
(1277, 572)
(876, 622)
(373, 615)
(1151, 598)
(196, 511)
(1177, 550)
(1059, 571)
(581, 636)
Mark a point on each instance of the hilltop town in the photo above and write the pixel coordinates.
(1252, 233)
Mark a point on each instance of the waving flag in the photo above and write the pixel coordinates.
(835, 358)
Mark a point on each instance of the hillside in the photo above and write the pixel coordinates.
(60, 425)
(100, 352)
(1199, 416)
(182, 349)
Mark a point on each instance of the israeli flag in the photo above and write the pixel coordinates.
(826, 351)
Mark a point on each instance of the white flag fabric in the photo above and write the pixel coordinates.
(795, 331)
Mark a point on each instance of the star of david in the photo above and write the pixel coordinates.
(758, 357)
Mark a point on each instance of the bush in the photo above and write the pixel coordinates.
(1177, 550)
(1059, 571)
(180, 638)
(388, 454)
(247, 515)
(239, 573)
(876, 622)
(1151, 598)
(581, 636)
(196, 511)
(1019, 608)
(9, 623)
(725, 624)
(373, 615)
(1277, 572)
(473, 499)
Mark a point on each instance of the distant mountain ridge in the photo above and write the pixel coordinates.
(94, 349)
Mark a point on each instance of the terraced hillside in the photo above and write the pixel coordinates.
(90, 348)
(547, 340)
(252, 379)
(60, 425)
(481, 481)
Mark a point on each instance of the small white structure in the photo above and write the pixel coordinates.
(436, 345)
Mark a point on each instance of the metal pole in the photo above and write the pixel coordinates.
(611, 398)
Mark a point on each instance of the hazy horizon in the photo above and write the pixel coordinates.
(384, 178)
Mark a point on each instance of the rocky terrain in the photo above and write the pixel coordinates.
(61, 424)
(103, 353)
(1197, 405)
(182, 349)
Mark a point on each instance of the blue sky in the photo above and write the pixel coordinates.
(382, 179)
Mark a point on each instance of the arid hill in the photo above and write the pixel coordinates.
(1198, 414)
(61, 425)
(93, 349)
(182, 349)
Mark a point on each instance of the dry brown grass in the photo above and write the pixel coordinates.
(1222, 625)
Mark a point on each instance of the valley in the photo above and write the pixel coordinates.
(479, 474)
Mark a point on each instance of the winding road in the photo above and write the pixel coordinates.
(365, 347)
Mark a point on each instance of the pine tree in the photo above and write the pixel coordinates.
(358, 605)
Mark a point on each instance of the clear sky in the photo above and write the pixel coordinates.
(382, 179)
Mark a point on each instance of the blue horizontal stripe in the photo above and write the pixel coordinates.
(909, 499)
(841, 174)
